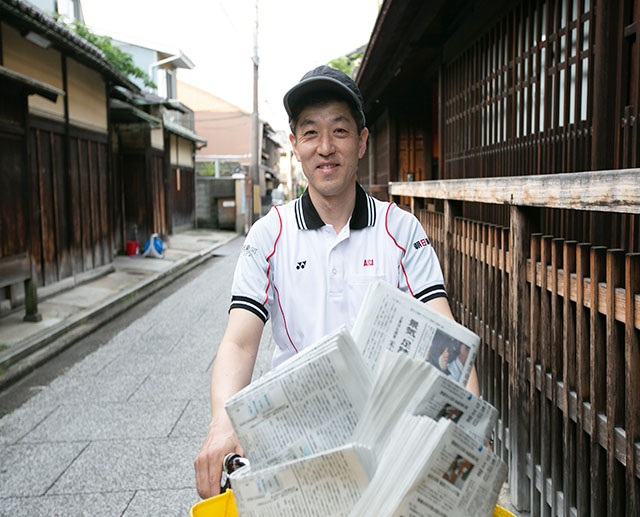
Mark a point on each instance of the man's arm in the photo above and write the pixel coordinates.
(231, 372)
(441, 305)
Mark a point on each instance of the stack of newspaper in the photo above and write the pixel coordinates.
(378, 424)
(308, 404)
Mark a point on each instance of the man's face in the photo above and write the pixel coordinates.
(328, 146)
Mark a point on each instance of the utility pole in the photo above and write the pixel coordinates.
(256, 204)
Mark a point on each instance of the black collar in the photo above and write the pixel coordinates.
(364, 212)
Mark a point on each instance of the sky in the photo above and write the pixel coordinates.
(294, 36)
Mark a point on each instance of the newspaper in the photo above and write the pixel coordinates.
(329, 483)
(417, 387)
(392, 320)
(462, 478)
(351, 427)
(433, 469)
(309, 403)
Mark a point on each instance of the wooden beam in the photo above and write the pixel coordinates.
(603, 191)
(518, 396)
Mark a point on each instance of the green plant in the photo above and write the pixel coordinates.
(118, 58)
(347, 63)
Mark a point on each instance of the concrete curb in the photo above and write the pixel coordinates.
(36, 350)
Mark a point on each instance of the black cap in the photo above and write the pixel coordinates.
(324, 78)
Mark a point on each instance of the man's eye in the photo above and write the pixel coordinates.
(341, 131)
(309, 133)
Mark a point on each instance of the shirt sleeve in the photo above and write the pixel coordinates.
(252, 288)
(420, 273)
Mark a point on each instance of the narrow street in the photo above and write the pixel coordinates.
(116, 433)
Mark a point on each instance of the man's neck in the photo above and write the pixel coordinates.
(336, 210)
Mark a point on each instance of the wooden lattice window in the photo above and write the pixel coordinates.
(629, 89)
(518, 99)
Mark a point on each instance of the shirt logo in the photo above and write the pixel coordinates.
(301, 264)
(248, 250)
(422, 243)
(368, 262)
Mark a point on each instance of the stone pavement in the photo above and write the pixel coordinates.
(117, 434)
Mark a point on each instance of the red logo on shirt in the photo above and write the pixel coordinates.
(368, 262)
(422, 243)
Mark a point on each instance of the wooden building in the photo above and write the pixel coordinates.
(87, 161)
(154, 146)
(510, 129)
(56, 200)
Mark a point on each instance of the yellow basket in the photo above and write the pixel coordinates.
(224, 505)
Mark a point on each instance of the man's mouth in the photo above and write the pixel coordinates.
(326, 166)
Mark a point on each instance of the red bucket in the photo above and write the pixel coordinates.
(133, 248)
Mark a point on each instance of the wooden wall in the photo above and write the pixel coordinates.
(72, 222)
(13, 180)
(65, 216)
(548, 87)
(182, 182)
(143, 192)
(183, 195)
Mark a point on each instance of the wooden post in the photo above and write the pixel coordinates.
(597, 384)
(582, 379)
(556, 374)
(615, 404)
(568, 377)
(518, 396)
(534, 395)
(417, 204)
(632, 382)
(452, 209)
(604, 89)
(31, 295)
(545, 360)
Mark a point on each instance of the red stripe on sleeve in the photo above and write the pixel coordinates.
(386, 226)
(284, 320)
(266, 291)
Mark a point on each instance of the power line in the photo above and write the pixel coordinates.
(228, 18)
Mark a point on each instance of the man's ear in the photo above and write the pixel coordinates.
(362, 145)
(294, 145)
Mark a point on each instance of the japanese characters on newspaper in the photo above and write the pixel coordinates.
(378, 424)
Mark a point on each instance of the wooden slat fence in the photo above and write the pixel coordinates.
(560, 325)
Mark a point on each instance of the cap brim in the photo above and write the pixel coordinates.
(318, 84)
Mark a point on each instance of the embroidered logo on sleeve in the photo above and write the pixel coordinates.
(248, 250)
(421, 243)
(368, 262)
(301, 264)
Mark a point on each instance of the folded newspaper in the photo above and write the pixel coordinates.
(375, 424)
(392, 320)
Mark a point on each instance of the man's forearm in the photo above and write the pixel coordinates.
(232, 371)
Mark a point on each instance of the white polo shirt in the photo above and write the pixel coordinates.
(296, 270)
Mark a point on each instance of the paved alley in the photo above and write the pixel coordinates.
(117, 434)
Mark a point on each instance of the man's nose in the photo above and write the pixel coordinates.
(325, 145)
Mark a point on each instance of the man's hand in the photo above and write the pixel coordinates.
(208, 463)
(231, 372)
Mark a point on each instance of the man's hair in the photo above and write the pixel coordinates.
(322, 99)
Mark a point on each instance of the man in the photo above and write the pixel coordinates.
(307, 265)
(457, 366)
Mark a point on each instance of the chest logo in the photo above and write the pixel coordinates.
(368, 262)
(301, 264)
(422, 243)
